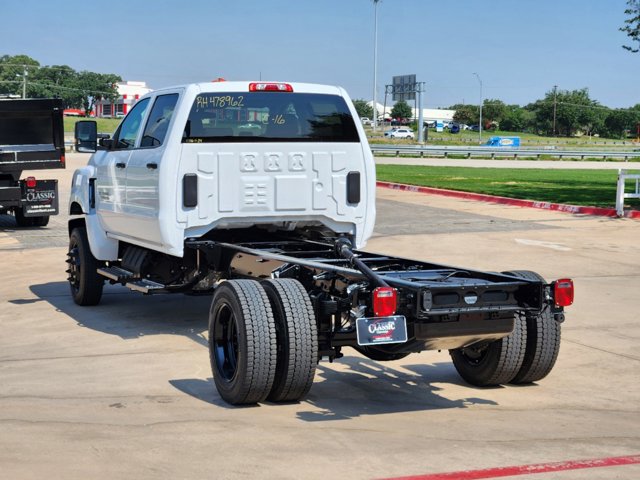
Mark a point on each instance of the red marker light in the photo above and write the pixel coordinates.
(563, 292)
(31, 182)
(270, 87)
(384, 301)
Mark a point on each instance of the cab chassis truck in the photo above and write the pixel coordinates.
(263, 195)
(31, 138)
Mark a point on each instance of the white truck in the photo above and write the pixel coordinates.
(262, 193)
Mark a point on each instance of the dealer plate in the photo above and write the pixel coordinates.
(379, 330)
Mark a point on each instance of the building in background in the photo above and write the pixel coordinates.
(129, 93)
(429, 114)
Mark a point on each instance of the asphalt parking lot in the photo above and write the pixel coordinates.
(124, 389)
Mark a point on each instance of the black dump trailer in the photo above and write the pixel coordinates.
(31, 138)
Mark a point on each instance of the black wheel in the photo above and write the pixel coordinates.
(297, 339)
(381, 353)
(242, 342)
(23, 221)
(42, 221)
(543, 339)
(492, 363)
(85, 282)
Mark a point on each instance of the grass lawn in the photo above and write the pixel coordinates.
(469, 138)
(105, 125)
(576, 187)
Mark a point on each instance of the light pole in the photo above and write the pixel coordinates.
(480, 125)
(375, 64)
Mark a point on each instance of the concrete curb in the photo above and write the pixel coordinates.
(574, 209)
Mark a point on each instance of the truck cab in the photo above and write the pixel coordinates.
(224, 155)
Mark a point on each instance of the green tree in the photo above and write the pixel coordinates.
(58, 81)
(96, 87)
(401, 110)
(575, 112)
(619, 123)
(467, 114)
(363, 108)
(632, 25)
(517, 119)
(493, 110)
(12, 70)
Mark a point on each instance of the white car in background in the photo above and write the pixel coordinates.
(399, 133)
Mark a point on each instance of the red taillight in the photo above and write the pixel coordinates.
(62, 159)
(563, 292)
(270, 87)
(384, 301)
(31, 182)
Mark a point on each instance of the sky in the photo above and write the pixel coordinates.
(520, 49)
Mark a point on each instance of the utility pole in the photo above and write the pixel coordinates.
(480, 126)
(375, 64)
(555, 96)
(24, 81)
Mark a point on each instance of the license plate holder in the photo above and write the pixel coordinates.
(41, 199)
(381, 330)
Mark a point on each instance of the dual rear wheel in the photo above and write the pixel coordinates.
(525, 356)
(262, 341)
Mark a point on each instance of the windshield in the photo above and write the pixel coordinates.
(269, 117)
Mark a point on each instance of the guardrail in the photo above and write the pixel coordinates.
(623, 176)
(493, 152)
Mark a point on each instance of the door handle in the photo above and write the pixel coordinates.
(121, 165)
(152, 165)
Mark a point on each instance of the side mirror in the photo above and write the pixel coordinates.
(86, 136)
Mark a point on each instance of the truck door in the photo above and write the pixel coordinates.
(143, 171)
(112, 171)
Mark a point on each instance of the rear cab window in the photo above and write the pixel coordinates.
(269, 117)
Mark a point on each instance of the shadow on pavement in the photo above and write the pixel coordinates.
(129, 315)
(373, 388)
(355, 386)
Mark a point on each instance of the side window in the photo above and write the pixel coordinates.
(128, 131)
(159, 118)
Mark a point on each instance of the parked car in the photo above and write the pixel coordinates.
(365, 121)
(399, 133)
(474, 128)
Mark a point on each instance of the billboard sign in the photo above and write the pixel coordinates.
(404, 88)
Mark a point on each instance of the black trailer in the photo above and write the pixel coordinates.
(31, 138)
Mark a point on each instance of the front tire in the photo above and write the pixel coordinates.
(493, 363)
(242, 342)
(85, 282)
(297, 339)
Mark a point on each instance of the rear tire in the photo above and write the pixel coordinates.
(242, 342)
(543, 339)
(494, 363)
(85, 282)
(42, 221)
(21, 220)
(297, 339)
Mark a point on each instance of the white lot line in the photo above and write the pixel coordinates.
(538, 243)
